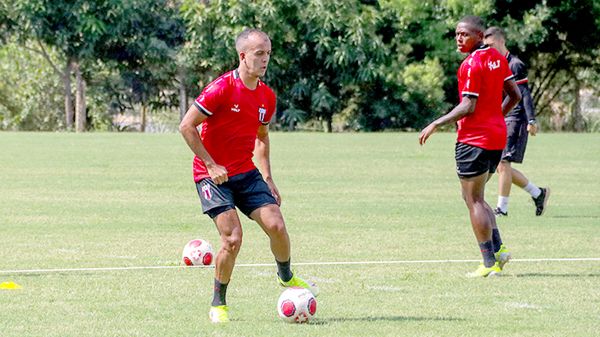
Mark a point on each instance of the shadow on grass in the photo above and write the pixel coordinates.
(385, 319)
(557, 275)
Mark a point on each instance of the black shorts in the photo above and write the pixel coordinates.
(516, 142)
(472, 161)
(248, 191)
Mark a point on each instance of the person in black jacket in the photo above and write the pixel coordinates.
(520, 123)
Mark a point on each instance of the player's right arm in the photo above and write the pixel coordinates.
(465, 107)
(189, 130)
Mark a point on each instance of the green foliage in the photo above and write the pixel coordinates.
(72, 26)
(292, 116)
(423, 91)
(138, 38)
(338, 64)
(29, 96)
(143, 47)
(559, 40)
(460, 8)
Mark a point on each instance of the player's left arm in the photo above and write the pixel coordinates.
(520, 70)
(262, 155)
(529, 110)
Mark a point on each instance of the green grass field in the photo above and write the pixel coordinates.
(128, 200)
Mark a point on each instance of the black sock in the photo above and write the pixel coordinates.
(220, 291)
(496, 239)
(487, 252)
(284, 271)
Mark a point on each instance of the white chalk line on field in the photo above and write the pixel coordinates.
(246, 265)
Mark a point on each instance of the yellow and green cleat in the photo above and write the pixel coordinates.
(483, 271)
(219, 314)
(297, 281)
(502, 256)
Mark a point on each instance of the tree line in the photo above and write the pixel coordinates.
(361, 65)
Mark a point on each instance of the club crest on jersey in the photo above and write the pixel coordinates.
(262, 112)
(235, 108)
(206, 192)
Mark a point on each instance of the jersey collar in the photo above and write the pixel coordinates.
(236, 75)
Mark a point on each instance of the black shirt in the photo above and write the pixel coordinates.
(524, 110)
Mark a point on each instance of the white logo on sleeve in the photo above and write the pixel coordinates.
(235, 108)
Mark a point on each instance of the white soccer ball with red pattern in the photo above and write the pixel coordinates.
(197, 253)
(296, 305)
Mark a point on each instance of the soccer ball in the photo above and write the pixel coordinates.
(197, 253)
(296, 305)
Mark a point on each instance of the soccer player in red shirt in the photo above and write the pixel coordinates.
(234, 111)
(482, 78)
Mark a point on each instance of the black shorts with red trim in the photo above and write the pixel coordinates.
(247, 191)
(472, 161)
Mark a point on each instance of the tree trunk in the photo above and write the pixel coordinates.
(183, 98)
(329, 125)
(80, 105)
(143, 122)
(577, 122)
(69, 112)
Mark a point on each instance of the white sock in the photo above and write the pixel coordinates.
(532, 189)
(503, 203)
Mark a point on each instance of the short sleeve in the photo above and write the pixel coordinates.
(472, 83)
(211, 97)
(272, 108)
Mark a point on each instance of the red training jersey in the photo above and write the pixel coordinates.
(234, 115)
(482, 75)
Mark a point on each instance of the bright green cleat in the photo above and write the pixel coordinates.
(502, 256)
(484, 271)
(219, 314)
(297, 281)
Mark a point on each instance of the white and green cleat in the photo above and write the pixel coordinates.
(219, 314)
(297, 281)
(483, 271)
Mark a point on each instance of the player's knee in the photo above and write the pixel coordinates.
(232, 243)
(277, 229)
(473, 201)
(479, 204)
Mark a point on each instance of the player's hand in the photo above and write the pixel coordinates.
(274, 190)
(425, 133)
(217, 173)
(532, 129)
